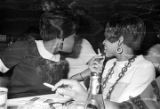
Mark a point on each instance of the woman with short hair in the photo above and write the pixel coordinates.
(127, 74)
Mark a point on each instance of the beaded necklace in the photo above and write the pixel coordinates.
(121, 74)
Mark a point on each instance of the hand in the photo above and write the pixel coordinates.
(96, 64)
(74, 89)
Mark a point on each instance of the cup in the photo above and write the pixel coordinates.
(3, 97)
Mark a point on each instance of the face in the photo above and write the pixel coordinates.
(109, 46)
(68, 44)
(65, 45)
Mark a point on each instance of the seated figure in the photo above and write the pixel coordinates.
(39, 61)
(123, 75)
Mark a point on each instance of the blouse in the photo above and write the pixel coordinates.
(137, 77)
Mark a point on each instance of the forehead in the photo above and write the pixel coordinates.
(111, 31)
(112, 34)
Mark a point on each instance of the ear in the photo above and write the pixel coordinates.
(120, 40)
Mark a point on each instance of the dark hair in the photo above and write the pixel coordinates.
(53, 24)
(130, 27)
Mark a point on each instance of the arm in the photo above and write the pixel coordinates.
(82, 75)
(79, 94)
(94, 65)
(12, 55)
(76, 91)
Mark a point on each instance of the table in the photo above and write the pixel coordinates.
(42, 100)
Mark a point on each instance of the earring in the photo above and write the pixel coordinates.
(119, 50)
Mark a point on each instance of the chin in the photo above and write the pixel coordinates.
(108, 55)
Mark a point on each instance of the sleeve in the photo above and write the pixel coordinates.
(3, 68)
(79, 64)
(143, 76)
(13, 54)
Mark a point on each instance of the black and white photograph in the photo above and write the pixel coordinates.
(79, 54)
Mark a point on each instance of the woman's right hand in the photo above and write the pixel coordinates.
(96, 64)
(72, 89)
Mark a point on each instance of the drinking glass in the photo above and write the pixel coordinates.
(3, 97)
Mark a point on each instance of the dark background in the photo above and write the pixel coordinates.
(18, 16)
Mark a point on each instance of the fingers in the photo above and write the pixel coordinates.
(66, 92)
(77, 95)
(96, 58)
(69, 83)
(96, 67)
(99, 52)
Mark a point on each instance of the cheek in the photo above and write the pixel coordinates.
(112, 49)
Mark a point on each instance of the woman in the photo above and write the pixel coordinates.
(79, 57)
(123, 76)
(34, 62)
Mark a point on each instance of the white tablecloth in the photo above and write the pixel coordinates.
(39, 103)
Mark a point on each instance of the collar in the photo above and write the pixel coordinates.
(46, 54)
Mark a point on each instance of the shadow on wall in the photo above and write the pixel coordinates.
(150, 38)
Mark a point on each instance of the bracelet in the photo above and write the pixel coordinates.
(81, 76)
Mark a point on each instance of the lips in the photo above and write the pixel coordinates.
(105, 50)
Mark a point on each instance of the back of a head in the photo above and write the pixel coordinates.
(56, 25)
(131, 28)
(153, 55)
(154, 52)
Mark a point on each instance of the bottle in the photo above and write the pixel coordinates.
(95, 99)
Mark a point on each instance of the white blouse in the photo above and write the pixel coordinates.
(138, 76)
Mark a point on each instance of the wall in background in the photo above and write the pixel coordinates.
(17, 16)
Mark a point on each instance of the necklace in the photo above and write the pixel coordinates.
(121, 74)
